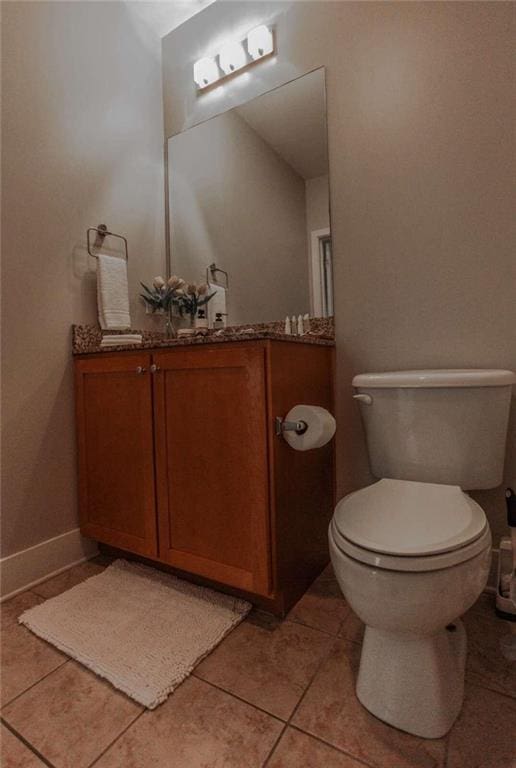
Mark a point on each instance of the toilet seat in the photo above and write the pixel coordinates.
(410, 526)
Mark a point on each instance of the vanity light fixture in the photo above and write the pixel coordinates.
(234, 55)
(260, 42)
(206, 72)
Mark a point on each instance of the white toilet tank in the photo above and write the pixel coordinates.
(437, 426)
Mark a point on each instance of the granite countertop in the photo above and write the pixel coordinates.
(86, 339)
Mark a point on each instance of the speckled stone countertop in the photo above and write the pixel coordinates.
(86, 338)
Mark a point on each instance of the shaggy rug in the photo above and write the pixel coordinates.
(139, 628)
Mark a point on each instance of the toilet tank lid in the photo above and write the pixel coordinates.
(458, 377)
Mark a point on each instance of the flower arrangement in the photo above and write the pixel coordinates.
(176, 292)
(191, 297)
(161, 296)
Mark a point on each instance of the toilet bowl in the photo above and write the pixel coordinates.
(410, 558)
(412, 551)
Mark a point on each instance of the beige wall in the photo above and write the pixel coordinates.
(317, 204)
(420, 122)
(236, 202)
(82, 144)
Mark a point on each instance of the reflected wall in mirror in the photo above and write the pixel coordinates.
(249, 193)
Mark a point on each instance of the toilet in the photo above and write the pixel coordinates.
(412, 551)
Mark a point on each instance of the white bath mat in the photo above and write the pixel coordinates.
(141, 629)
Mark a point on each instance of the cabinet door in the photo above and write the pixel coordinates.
(115, 442)
(211, 460)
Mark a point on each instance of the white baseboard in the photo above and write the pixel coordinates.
(31, 566)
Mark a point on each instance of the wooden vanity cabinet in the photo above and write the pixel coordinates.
(179, 462)
(211, 464)
(116, 451)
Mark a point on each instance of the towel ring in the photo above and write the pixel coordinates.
(102, 232)
(213, 269)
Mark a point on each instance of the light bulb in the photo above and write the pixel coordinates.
(206, 72)
(232, 57)
(260, 42)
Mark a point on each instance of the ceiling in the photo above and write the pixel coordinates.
(292, 120)
(160, 18)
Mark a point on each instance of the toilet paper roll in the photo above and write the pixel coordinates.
(321, 427)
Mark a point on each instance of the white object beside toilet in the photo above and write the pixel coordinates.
(412, 552)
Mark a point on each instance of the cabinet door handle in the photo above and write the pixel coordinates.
(154, 368)
(141, 369)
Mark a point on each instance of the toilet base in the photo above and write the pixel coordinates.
(414, 682)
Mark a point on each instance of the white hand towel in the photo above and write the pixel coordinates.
(217, 303)
(112, 292)
(121, 339)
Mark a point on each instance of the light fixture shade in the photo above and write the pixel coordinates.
(232, 57)
(260, 42)
(206, 72)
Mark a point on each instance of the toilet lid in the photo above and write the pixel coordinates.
(405, 518)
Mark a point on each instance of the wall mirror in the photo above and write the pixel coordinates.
(249, 197)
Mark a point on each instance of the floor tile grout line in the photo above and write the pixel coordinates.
(34, 591)
(26, 743)
(318, 738)
(43, 597)
(318, 629)
(308, 626)
(298, 705)
(119, 736)
(36, 594)
(491, 690)
(276, 743)
(283, 720)
(239, 698)
(447, 748)
(309, 684)
(304, 624)
(333, 746)
(33, 685)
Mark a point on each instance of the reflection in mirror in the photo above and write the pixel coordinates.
(248, 194)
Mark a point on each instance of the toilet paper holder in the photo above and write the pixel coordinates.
(299, 427)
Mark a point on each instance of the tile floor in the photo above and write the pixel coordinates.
(273, 694)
